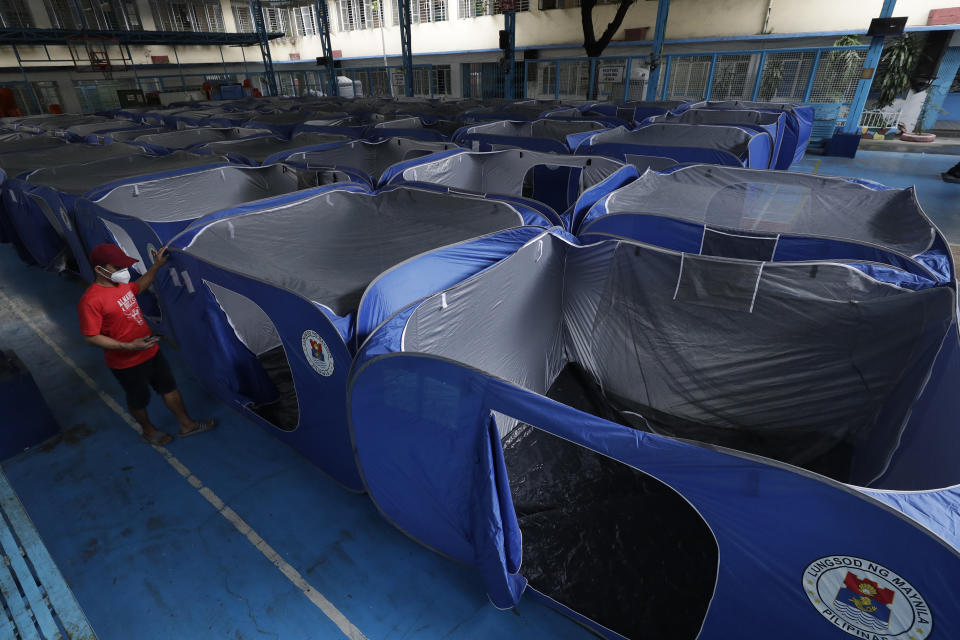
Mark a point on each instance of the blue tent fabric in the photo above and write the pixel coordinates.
(761, 584)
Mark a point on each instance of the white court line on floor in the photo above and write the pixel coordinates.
(268, 552)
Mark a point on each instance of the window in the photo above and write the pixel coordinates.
(14, 14)
(94, 14)
(422, 11)
(96, 94)
(47, 93)
(242, 16)
(442, 85)
(275, 20)
(357, 14)
(305, 20)
(198, 16)
(688, 77)
(475, 8)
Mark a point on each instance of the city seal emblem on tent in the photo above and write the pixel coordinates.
(866, 599)
(317, 353)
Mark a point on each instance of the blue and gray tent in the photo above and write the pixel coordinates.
(796, 135)
(631, 112)
(143, 215)
(186, 139)
(361, 161)
(269, 149)
(274, 336)
(684, 143)
(412, 127)
(704, 482)
(549, 136)
(284, 123)
(41, 203)
(773, 123)
(549, 182)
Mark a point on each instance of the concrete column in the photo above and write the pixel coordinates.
(229, 23)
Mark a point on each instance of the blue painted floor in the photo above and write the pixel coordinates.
(149, 558)
(940, 200)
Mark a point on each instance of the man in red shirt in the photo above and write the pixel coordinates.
(110, 318)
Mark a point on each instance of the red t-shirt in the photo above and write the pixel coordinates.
(114, 312)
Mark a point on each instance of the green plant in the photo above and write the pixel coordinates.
(840, 70)
(772, 77)
(900, 59)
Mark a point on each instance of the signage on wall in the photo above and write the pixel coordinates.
(610, 73)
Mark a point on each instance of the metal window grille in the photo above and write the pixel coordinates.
(785, 76)
(442, 80)
(14, 14)
(188, 15)
(573, 78)
(733, 77)
(476, 8)
(305, 20)
(837, 74)
(109, 14)
(275, 19)
(243, 16)
(96, 95)
(688, 78)
(541, 80)
(357, 14)
(422, 11)
(47, 93)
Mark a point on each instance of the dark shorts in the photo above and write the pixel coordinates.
(136, 381)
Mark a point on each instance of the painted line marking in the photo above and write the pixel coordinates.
(208, 494)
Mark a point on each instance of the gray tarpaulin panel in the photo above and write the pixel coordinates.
(16, 163)
(732, 139)
(81, 178)
(504, 171)
(329, 247)
(23, 141)
(371, 157)
(781, 202)
(189, 137)
(126, 136)
(196, 194)
(808, 352)
(259, 149)
(553, 129)
(719, 116)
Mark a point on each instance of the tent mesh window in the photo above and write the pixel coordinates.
(612, 543)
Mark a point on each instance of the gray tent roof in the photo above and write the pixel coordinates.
(16, 163)
(720, 116)
(24, 141)
(189, 137)
(260, 148)
(543, 128)
(193, 195)
(782, 359)
(781, 202)
(503, 172)
(732, 139)
(78, 179)
(329, 246)
(373, 158)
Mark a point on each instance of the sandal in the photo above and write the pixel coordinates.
(158, 439)
(199, 427)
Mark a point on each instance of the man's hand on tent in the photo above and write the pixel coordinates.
(159, 259)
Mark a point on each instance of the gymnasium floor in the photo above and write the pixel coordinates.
(232, 535)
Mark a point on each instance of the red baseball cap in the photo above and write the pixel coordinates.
(103, 254)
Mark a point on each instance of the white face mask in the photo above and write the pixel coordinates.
(120, 276)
